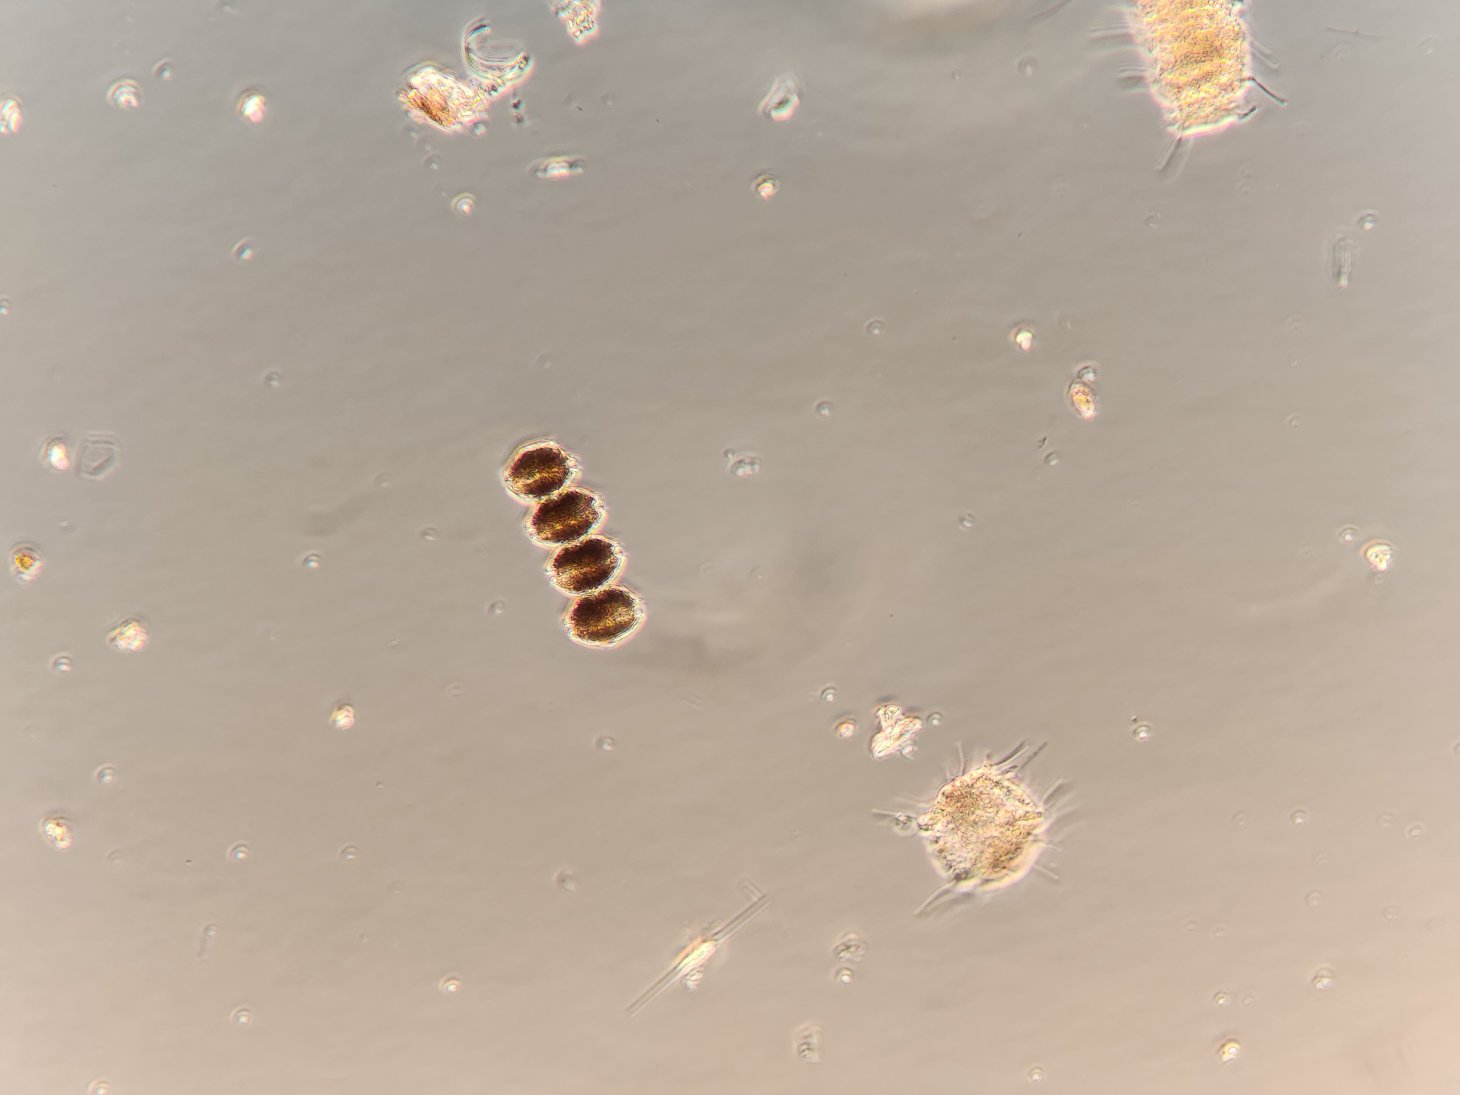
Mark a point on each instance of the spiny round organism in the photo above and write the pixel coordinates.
(605, 618)
(582, 567)
(985, 828)
(565, 517)
(538, 470)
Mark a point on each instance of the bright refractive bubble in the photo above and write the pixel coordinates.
(783, 99)
(1022, 336)
(828, 694)
(1379, 554)
(57, 832)
(579, 18)
(163, 70)
(1141, 732)
(55, 454)
(61, 663)
(252, 107)
(239, 853)
(559, 167)
(241, 1017)
(449, 985)
(106, 775)
(844, 975)
(10, 117)
(26, 563)
(342, 717)
(463, 205)
(130, 636)
(125, 95)
(766, 186)
(1367, 221)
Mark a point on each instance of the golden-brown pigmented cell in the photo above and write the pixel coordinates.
(1200, 61)
(605, 618)
(539, 469)
(589, 564)
(429, 93)
(565, 517)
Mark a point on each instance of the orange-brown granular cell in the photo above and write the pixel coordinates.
(589, 564)
(605, 618)
(565, 517)
(1200, 61)
(539, 469)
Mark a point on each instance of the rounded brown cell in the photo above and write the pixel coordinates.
(565, 517)
(589, 564)
(539, 469)
(605, 618)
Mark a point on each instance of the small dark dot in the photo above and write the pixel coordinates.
(538, 470)
(604, 618)
(565, 517)
(589, 564)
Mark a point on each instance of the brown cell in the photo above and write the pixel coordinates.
(565, 517)
(589, 564)
(605, 618)
(539, 469)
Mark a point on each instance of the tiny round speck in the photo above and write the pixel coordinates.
(241, 1017)
(1367, 221)
(252, 107)
(566, 880)
(844, 975)
(744, 465)
(1027, 67)
(106, 775)
(130, 636)
(605, 744)
(1229, 1051)
(429, 534)
(934, 719)
(239, 853)
(1239, 819)
(1222, 999)
(1322, 979)
(464, 205)
(1035, 1075)
(273, 379)
(1022, 336)
(349, 853)
(845, 728)
(57, 832)
(1051, 459)
(125, 95)
(163, 71)
(824, 409)
(450, 985)
(967, 520)
(342, 716)
(1141, 731)
(244, 251)
(1313, 898)
(1348, 534)
(1299, 817)
(1415, 830)
(55, 454)
(1385, 820)
(828, 694)
(766, 186)
(1379, 554)
(61, 663)
(1391, 912)
(876, 326)
(1087, 372)
(432, 162)
(311, 561)
(99, 1087)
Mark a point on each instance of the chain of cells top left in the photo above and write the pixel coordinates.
(434, 94)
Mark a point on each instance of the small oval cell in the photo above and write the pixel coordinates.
(605, 618)
(565, 517)
(589, 564)
(539, 469)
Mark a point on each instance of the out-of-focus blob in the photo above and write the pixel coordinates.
(579, 18)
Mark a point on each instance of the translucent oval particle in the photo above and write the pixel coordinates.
(585, 566)
(130, 636)
(539, 469)
(450, 985)
(241, 1017)
(26, 563)
(566, 517)
(845, 728)
(1379, 554)
(342, 717)
(11, 117)
(606, 618)
(55, 454)
(463, 205)
(1022, 336)
(559, 167)
(783, 99)
(1083, 400)
(1323, 979)
(433, 95)
(57, 832)
(125, 95)
(766, 186)
(252, 106)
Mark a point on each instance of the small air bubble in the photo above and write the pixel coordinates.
(1415, 831)
(349, 853)
(244, 251)
(875, 326)
(605, 744)
(241, 1017)
(934, 719)
(11, 117)
(106, 775)
(828, 694)
(783, 99)
(559, 167)
(1323, 979)
(252, 107)
(1229, 1050)
(1022, 336)
(61, 663)
(449, 985)
(311, 561)
(57, 832)
(1379, 554)
(463, 205)
(845, 728)
(824, 409)
(766, 186)
(844, 975)
(130, 636)
(342, 717)
(125, 95)
(238, 853)
(1348, 534)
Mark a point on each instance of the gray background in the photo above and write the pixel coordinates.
(1181, 564)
